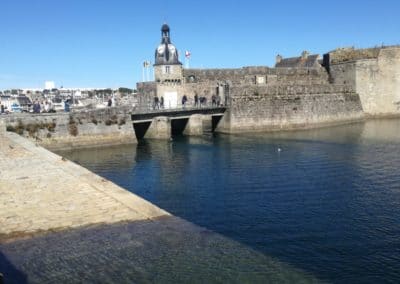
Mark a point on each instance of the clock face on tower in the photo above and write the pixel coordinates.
(171, 48)
(161, 49)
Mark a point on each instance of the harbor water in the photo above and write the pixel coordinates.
(326, 201)
(283, 207)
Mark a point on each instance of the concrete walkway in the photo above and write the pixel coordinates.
(41, 191)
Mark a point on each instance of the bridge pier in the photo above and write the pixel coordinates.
(163, 124)
(160, 128)
(194, 127)
(207, 124)
(2, 130)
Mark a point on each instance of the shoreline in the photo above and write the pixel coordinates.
(109, 139)
(43, 192)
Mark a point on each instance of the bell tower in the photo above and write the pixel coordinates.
(167, 67)
(168, 71)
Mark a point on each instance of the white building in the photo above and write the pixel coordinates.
(49, 85)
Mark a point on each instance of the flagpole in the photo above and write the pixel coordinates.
(143, 72)
(148, 70)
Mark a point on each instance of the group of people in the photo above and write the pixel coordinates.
(202, 101)
(158, 103)
(199, 101)
(45, 106)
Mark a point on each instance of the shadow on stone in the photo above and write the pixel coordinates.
(178, 126)
(9, 273)
(141, 129)
(167, 250)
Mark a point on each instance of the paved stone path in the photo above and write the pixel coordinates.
(41, 191)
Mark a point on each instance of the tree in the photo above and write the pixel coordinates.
(125, 90)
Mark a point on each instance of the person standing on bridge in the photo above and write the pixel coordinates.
(161, 102)
(184, 100)
(213, 100)
(196, 100)
(156, 103)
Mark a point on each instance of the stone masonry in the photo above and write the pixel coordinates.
(90, 128)
(373, 73)
(346, 85)
(41, 191)
(266, 109)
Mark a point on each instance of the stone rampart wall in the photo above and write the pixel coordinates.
(376, 79)
(102, 127)
(283, 108)
(247, 75)
(351, 54)
(205, 82)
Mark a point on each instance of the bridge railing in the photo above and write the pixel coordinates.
(151, 107)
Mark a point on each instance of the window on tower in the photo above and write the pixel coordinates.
(167, 70)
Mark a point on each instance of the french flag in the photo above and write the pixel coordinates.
(187, 54)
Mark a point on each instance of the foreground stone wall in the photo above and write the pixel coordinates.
(291, 107)
(104, 127)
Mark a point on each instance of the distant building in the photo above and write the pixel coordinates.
(48, 85)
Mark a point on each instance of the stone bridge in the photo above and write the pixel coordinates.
(162, 124)
(111, 126)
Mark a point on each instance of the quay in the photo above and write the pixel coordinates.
(41, 191)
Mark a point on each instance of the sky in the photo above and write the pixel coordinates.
(103, 43)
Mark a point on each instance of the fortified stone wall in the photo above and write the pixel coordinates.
(208, 82)
(248, 75)
(350, 83)
(146, 91)
(289, 107)
(376, 77)
(341, 55)
(104, 127)
(205, 82)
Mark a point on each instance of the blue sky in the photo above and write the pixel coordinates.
(99, 43)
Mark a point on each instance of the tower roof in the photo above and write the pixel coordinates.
(165, 28)
(166, 53)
